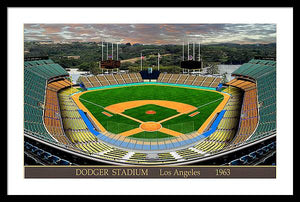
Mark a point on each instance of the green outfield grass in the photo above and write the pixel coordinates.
(187, 124)
(96, 101)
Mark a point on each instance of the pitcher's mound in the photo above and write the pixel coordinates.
(150, 126)
(150, 112)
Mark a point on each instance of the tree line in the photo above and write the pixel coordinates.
(90, 54)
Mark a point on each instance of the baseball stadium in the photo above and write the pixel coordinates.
(170, 119)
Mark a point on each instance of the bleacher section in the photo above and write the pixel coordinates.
(174, 78)
(182, 78)
(215, 82)
(102, 79)
(206, 81)
(190, 80)
(110, 79)
(94, 81)
(165, 78)
(199, 80)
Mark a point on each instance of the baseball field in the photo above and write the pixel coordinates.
(150, 111)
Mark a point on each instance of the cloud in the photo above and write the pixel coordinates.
(153, 33)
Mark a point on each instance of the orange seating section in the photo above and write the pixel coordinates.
(249, 111)
(52, 118)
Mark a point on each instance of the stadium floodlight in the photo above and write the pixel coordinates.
(102, 51)
(106, 50)
(199, 51)
(183, 51)
(141, 61)
(193, 50)
(188, 51)
(112, 51)
(158, 56)
(117, 52)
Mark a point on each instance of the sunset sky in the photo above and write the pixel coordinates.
(153, 33)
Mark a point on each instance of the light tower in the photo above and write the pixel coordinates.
(106, 50)
(193, 50)
(191, 64)
(110, 63)
(188, 51)
(112, 51)
(199, 52)
(183, 51)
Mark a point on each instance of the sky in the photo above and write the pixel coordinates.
(158, 34)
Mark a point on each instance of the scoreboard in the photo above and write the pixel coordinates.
(110, 64)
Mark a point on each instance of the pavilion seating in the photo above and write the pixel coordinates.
(207, 82)
(119, 79)
(86, 82)
(215, 82)
(182, 78)
(198, 81)
(94, 81)
(139, 77)
(190, 80)
(174, 78)
(166, 78)
(126, 78)
(160, 77)
(133, 77)
(111, 79)
(103, 80)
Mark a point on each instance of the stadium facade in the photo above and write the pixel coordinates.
(58, 132)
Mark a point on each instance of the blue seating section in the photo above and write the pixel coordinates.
(244, 160)
(45, 156)
(147, 147)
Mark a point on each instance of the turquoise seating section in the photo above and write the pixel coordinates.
(264, 72)
(267, 106)
(37, 62)
(36, 74)
(34, 95)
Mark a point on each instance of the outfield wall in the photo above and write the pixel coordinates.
(153, 83)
